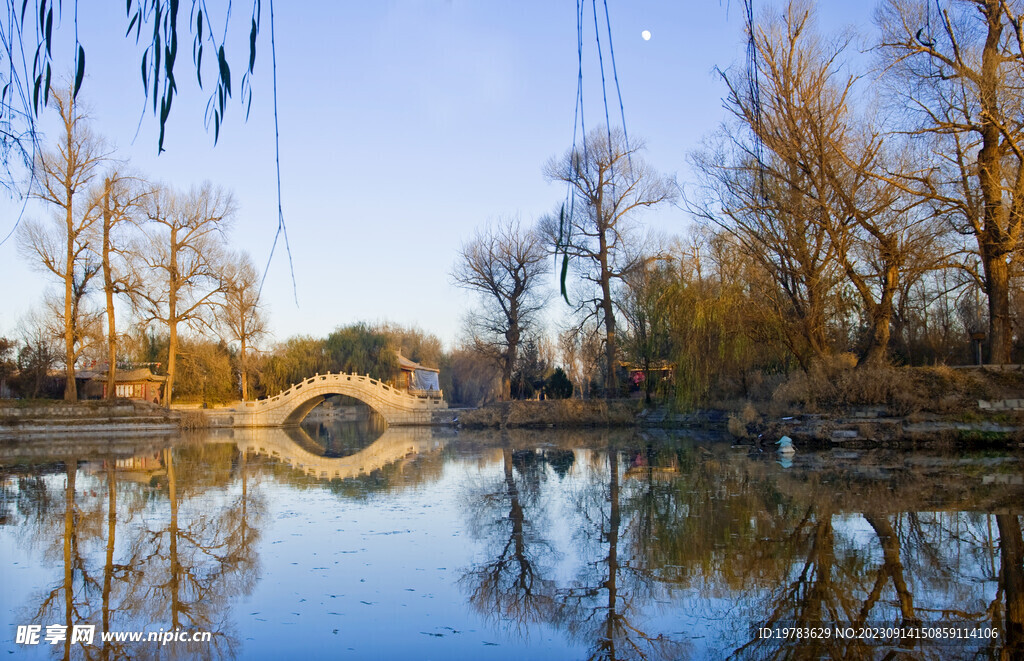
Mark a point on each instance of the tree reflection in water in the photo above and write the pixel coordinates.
(600, 607)
(515, 585)
(736, 543)
(172, 556)
(511, 587)
(631, 547)
(826, 546)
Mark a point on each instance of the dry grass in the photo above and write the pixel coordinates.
(191, 420)
(558, 413)
(736, 427)
(749, 414)
(835, 384)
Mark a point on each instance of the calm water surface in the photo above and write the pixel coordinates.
(358, 542)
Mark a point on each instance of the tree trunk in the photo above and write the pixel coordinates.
(70, 387)
(172, 317)
(881, 321)
(509, 364)
(878, 344)
(997, 286)
(108, 288)
(1011, 553)
(506, 378)
(243, 368)
(611, 381)
(993, 237)
(172, 350)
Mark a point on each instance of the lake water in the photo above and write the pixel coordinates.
(351, 541)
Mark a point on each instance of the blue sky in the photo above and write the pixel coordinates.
(404, 126)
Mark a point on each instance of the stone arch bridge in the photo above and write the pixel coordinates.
(288, 408)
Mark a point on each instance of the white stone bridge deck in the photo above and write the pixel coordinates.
(291, 406)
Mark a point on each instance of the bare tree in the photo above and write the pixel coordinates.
(64, 173)
(39, 352)
(474, 378)
(759, 189)
(581, 356)
(504, 264)
(185, 260)
(610, 183)
(241, 313)
(813, 191)
(119, 204)
(959, 68)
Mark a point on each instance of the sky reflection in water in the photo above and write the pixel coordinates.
(411, 543)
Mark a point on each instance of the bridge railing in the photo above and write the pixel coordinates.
(433, 399)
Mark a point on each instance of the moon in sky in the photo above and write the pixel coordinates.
(646, 34)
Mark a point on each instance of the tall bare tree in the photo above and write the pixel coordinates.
(185, 261)
(504, 264)
(813, 190)
(241, 313)
(119, 206)
(959, 66)
(610, 184)
(63, 176)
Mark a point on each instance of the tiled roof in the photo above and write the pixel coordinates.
(408, 365)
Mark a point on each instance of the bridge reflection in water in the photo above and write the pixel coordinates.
(292, 446)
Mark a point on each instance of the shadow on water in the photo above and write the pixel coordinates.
(603, 545)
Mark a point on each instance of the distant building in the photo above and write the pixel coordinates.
(417, 379)
(660, 371)
(138, 383)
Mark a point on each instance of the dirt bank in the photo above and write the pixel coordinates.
(553, 413)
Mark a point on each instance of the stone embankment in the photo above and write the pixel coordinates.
(118, 417)
(855, 430)
(855, 427)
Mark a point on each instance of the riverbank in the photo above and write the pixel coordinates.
(552, 413)
(832, 405)
(119, 417)
(851, 427)
(840, 405)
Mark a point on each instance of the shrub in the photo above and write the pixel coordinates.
(559, 386)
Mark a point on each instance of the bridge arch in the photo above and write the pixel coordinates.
(292, 405)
